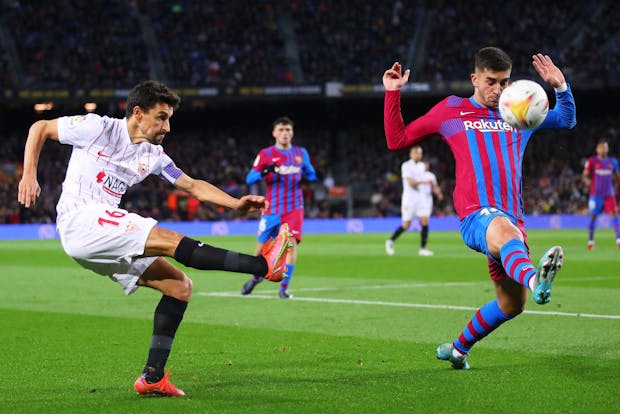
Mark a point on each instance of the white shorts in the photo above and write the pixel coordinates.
(108, 241)
(416, 207)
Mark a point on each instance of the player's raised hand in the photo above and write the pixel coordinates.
(547, 70)
(28, 191)
(250, 203)
(394, 79)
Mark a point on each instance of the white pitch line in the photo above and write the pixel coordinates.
(390, 286)
(399, 304)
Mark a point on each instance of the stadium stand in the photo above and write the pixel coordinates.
(188, 44)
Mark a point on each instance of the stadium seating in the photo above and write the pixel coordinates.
(107, 44)
(186, 43)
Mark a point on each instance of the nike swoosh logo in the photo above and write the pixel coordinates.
(275, 159)
(467, 113)
(200, 244)
(101, 154)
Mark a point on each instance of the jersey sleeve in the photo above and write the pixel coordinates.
(79, 130)
(399, 136)
(307, 169)
(587, 168)
(433, 178)
(254, 175)
(167, 169)
(563, 114)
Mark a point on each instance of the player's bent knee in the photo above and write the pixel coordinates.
(185, 289)
(180, 289)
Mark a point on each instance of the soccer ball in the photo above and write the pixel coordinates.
(524, 104)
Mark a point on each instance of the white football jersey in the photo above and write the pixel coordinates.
(104, 161)
(426, 190)
(413, 170)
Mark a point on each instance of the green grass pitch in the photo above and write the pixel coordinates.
(359, 336)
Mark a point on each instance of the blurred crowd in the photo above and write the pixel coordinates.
(367, 174)
(115, 44)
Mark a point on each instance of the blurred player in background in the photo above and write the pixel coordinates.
(487, 196)
(109, 155)
(419, 184)
(599, 174)
(282, 166)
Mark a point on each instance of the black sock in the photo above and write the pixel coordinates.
(397, 233)
(168, 316)
(202, 256)
(424, 236)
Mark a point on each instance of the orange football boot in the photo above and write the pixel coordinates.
(163, 387)
(275, 251)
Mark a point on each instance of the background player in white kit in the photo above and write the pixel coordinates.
(109, 155)
(419, 184)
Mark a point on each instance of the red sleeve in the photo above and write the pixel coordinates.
(260, 161)
(396, 134)
(588, 167)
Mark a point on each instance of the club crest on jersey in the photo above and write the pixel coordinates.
(298, 159)
(142, 169)
(111, 185)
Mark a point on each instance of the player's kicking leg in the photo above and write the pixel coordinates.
(550, 263)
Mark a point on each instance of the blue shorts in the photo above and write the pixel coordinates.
(268, 227)
(598, 205)
(474, 228)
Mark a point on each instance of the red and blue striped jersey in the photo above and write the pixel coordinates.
(283, 191)
(601, 171)
(488, 152)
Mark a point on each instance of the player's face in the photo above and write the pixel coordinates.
(283, 135)
(602, 149)
(154, 124)
(415, 154)
(488, 86)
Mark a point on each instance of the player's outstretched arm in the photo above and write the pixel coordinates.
(548, 71)
(28, 188)
(394, 79)
(208, 193)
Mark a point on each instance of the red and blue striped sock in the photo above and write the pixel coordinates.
(485, 320)
(290, 268)
(516, 262)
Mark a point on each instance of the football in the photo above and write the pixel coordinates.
(524, 104)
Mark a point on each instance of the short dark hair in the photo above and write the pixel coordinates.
(492, 58)
(284, 120)
(602, 141)
(149, 93)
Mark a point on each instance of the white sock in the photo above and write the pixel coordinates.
(456, 353)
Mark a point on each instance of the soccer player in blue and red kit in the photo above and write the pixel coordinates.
(599, 174)
(487, 196)
(282, 166)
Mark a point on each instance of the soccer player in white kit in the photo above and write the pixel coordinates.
(109, 155)
(419, 184)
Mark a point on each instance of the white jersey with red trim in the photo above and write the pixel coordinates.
(414, 170)
(104, 162)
